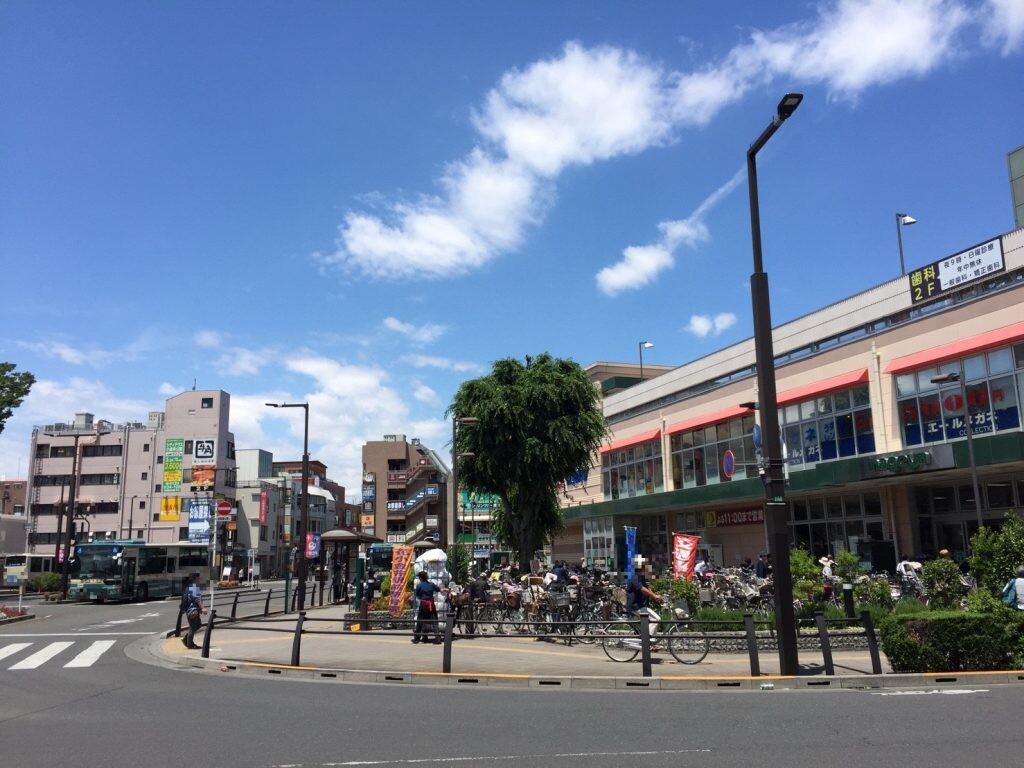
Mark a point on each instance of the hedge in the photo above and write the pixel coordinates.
(953, 641)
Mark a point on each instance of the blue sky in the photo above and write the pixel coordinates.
(363, 204)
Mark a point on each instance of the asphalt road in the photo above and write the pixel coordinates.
(119, 712)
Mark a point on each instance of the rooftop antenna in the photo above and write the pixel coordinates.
(193, 385)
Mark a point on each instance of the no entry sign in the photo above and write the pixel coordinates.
(224, 508)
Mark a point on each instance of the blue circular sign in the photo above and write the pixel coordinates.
(756, 435)
(728, 463)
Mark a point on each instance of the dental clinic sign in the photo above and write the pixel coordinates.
(909, 462)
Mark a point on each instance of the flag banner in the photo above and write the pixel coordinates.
(630, 550)
(264, 506)
(684, 555)
(401, 561)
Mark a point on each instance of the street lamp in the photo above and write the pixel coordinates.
(642, 346)
(949, 378)
(775, 502)
(131, 515)
(301, 565)
(456, 422)
(902, 220)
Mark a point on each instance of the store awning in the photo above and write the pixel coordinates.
(708, 419)
(821, 387)
(625, 442)
(971, 345)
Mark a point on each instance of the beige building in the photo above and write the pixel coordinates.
(133, 480)
(876, 453)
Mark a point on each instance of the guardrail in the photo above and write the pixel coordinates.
(552, 630)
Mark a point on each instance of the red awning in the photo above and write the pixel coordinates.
(1005, 335)
(708, 419)
(821, 387)
(625, 442)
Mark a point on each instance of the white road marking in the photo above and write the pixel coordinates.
(943, 691)
(12, 649)
(77, 634)
(42, 656)
(493, 758)
(89, 656)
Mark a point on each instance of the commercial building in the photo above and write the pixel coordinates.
(405, 492)
(874, 424)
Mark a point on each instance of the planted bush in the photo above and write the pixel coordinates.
(46, 582)
(942, 583)
(953, 641)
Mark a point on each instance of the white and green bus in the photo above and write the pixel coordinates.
(22, 568)
(132, 570)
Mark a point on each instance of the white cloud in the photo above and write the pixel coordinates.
(208, 339)
(426, 361)
(425, 394)
(1003, 24)
(423, 334)
(170, 390)
(704, 325)
(238, 361)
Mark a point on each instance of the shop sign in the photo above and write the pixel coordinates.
(954, 271)
(936, 457)
(734, 517)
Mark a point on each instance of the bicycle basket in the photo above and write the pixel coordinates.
(559, 599)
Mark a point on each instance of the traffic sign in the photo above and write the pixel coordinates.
(224, 508)
(728, 463)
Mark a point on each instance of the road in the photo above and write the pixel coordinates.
(116, 711)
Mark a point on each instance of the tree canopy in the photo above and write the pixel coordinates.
(539, 420)
(14, 388)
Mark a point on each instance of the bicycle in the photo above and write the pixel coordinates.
(686, 642)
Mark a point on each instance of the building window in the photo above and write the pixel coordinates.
(156, 488)
(207, 402)
(100, 479)
(142, 504)
(42, 450)
(145, 475)
(697, 454)
(599, 542)
(188, 447)
(832, 426)
(834, 523)
(931, 413)
(633, 471)
(101, 450)
(62, 452)
(159, 459)
(263, 533)
(145, 447)
(183, 533)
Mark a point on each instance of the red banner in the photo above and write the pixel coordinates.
(263, 506)
(401, 561)
(684, 555)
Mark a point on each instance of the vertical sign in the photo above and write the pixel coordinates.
(401, 560)
(170, 509)
(174, 450)
(684, 555)
(630, 550)
(264, 503)
(312, 546)
(199, 513)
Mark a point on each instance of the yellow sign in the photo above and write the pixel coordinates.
(401, 561)
(170, 509)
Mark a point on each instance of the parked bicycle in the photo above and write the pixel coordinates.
(684, 640)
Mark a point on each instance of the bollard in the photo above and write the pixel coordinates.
(177, 624)
(205, 653)
(851, 612)
(234, 606)
(266, 607)
(826, 644)
(297, 641)
(755, 662)
(645, 643)
(364, 612)
(449, 628)
(869, 631)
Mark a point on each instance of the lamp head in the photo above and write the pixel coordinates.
(945, 378)
(789, 104)
(646, 344)
(906, 219)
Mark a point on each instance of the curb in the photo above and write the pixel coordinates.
(16, 619)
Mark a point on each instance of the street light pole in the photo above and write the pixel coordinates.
(642, 346)
(960, 377)
(902, 220)
(775, 502)
(456, 421)
(302, 564)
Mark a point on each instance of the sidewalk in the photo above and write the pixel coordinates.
(389, 655)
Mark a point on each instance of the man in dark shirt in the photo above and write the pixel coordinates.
(426, 614)
(761, 569)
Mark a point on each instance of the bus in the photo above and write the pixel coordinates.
(378, 558)
(22, 568)
(132, 570)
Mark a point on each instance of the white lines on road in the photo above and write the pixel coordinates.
(12, 649)
(42, 656)
(76, 634)
(495, 758)
(943, 691)
(89, 656)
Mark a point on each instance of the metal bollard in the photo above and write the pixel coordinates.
(848, 601)
(826, 644)
(205, 653)
(177, 624)
(449, 628)
(266, 607)
(645, 644)
(755, 662)
(234, 606)
(297, 641)
(869, 631)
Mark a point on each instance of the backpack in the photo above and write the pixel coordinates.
(1010, 593)
(187, 601)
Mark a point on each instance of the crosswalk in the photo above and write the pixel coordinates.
(87, 653)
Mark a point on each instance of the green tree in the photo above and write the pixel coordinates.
(14, 388)
(996, 555)
(540, 420)
(942, 583)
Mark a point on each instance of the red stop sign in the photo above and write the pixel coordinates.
(224, 508)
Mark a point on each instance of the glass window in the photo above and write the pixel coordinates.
(1000, 361)
(812, 452)
(910, 423)
(845, 435)
(808, 409)
(722, 431)
(817, 509)
(833, 507)
(1005, 408)
(931, 418)
(865, 431)
(794, 445)
(799, 510)
(792, 413)
(975, 368)
(711, 463)
(827, 439)
(1000, 495)
(924, 380)
(906, 384)
(943, 499)
(842, 400)
(978, 404)
(861, 396)
(1018, 355)
(824, 404)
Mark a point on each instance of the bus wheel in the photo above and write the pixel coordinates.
(142, 592)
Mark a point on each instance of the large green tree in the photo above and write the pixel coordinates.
(540, 420)
(14, 388)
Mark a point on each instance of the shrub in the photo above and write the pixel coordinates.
(803, 566)
(997, 554)
(873, 593)
(952, 641)
(678, 589)
(848, 565)
(46, 582)
(909, 605)
(942, 582)
(458, 563)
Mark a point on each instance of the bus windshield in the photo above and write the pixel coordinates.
(11, 560)
(97, 561)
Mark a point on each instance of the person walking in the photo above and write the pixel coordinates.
(193, 608)
(426, 614)
(1013, 592)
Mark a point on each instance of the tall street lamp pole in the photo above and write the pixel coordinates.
(902, 220)
(642, 346)
(948, 378)
(775, 501)
(456, 422)
(301, 565)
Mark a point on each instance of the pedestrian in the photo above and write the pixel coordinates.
(761, 569)
(1013, 592)
(827, 569)
(193, 608)
(426, 614)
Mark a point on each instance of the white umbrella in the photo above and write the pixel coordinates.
(432, 556)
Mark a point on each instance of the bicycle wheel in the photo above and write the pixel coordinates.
(620, 641)
(515, 622)
(584, 631)
(687, 644)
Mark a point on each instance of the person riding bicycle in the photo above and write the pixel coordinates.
(638, 593)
